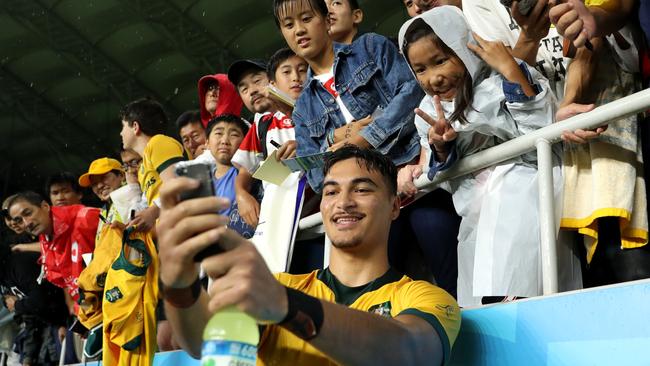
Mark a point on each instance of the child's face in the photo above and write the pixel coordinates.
(438, 73)
(224, 140)
(342, 19)
(290, 75)
(304, 30)
(252, 90)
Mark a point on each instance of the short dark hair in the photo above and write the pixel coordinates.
(63, 178)
(30, 197)
(370, 159)
(188, 117)
(278, 57)
(318, 6)
(354, 4)
(228, 118)
(149, 114)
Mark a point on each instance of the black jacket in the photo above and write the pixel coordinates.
(19, 272)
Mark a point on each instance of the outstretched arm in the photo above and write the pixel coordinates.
(242, 280)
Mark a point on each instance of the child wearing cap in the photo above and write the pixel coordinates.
(361, 94)
(272, 129)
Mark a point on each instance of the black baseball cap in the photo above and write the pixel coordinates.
(239, 67)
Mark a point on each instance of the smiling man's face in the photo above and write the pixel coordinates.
(357, 206)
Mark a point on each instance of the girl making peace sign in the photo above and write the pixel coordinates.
(479, 96)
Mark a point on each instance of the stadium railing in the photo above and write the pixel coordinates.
(540, 140)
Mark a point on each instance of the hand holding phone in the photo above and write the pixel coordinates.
(202, 173)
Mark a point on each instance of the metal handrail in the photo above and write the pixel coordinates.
(599, 116)
(539, 139)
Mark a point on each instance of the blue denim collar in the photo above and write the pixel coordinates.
(339, 48)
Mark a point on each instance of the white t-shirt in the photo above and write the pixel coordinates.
(492, 21)
(327, 80)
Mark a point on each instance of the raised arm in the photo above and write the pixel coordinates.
(243, 280)
(186, 305)
(416, 340)
(534, 27)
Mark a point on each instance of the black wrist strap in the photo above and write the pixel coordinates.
(305, 315)
(182, 297)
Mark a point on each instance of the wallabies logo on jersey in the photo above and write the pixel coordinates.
(113, 294)
(382, 309)
(149, 184)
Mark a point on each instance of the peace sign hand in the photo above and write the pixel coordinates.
(441, 131)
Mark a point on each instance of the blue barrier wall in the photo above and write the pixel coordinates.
(605, 326)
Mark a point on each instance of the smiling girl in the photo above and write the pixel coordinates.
(479, 96)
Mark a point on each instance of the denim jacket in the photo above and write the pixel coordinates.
(370, 74)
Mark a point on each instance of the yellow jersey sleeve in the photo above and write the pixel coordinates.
(436, 307)
(604, 4)
(163, 152)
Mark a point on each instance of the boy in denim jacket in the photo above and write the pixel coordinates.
(362, 94)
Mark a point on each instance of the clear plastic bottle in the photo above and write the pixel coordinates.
(230, 339)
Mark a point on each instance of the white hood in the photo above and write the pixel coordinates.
(449, 24)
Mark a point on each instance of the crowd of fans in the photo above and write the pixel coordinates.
(460, 77)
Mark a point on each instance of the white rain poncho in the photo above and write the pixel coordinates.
(499, 239)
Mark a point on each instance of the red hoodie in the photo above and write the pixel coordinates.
(73, 234)
(229, 101)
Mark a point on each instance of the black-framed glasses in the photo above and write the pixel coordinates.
(135, 163)
(212, 87)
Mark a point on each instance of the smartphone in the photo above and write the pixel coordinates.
(525, 6)
(202, 173)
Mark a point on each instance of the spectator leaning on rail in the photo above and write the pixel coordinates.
(477, 96)
(18, 239)
(358, 311)
(66, 233)
(605, 193)
(361, 94)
